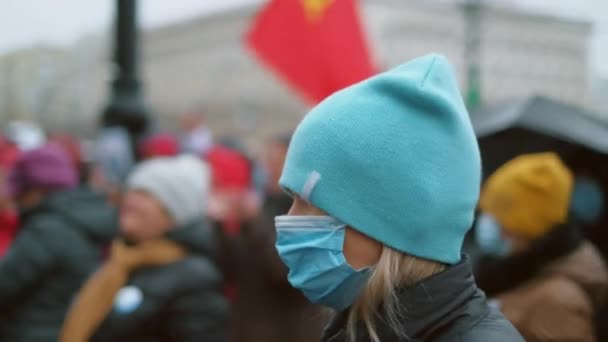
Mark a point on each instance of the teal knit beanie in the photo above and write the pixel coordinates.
(395, 158)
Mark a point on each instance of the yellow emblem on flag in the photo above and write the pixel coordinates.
(315, 8)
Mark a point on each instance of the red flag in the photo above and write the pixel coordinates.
(316, 45)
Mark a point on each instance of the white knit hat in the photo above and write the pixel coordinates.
(181, 184)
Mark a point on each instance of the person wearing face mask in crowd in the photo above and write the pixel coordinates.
(159, 282)
(547, 279)
(385, 176)
(264, 306)
(588, 207)
(65, 229)
(230, 209)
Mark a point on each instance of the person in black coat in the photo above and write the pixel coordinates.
(61, 242)
(160, 282)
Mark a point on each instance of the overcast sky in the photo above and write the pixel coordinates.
(27, 22)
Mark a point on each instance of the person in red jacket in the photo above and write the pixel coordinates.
(9, 224)
(159, 145)
(230, 207)
(9, 221)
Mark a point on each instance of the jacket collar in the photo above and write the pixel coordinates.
(432, 305)
(196, 237)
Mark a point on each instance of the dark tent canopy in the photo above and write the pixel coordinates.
(547, 117)
(539, 124)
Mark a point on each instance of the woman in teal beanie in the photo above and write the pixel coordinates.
(385, 177)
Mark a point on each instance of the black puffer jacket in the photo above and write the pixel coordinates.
(444, 308)
(60, 244)
(182, 301)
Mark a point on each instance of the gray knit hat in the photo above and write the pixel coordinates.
(180, 183)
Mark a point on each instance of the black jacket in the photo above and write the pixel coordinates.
(182, 301)
(445, 307)
(60, 244)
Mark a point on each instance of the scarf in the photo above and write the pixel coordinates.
(95, 299)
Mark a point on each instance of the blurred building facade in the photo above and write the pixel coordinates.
(599, 89)
(28, 82)
(55, 87)
(202, 65)
(520, 54)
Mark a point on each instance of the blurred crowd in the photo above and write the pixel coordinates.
(175, 241)
(176, 247)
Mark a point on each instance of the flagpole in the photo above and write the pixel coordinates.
(472, 52)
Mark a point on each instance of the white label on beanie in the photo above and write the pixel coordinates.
(310, 184)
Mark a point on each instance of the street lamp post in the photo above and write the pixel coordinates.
(126, 108)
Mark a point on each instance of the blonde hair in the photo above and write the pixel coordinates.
(393, 271)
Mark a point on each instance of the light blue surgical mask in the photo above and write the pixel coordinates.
(489, 238)
(312, 249)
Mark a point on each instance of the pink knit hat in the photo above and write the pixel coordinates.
(48, 168)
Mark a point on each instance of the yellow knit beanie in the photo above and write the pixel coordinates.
(529, 195)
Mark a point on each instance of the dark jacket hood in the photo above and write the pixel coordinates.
(84, 209)
(196, 237)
